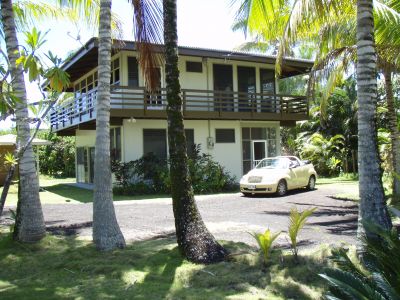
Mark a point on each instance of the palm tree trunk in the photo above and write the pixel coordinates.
(372, 201)
(394, 134)
(194, 240)
(29, 223)
(106, 232)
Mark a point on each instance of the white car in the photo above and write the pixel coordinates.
(278, 175)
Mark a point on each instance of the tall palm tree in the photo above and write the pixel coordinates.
(106, 232)
(194, 240)
(29, 223)
(372, 205)
(394, 132)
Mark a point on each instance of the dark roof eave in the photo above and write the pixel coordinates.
(301, 66)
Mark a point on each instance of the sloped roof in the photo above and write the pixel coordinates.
(11, 139)
(85, 59)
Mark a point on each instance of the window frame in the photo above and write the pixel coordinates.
(194, 66)
(224, 141)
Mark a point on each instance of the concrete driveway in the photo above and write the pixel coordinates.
(228, 216)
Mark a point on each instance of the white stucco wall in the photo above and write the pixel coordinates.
(85, 138)
(227, 154)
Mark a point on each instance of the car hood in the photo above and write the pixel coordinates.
(267, 174)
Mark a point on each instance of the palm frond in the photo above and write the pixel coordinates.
(345, 283)
(148, 30)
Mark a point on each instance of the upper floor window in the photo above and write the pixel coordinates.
(133, 72)
(267, 80)
(115, 72)
(194, 66)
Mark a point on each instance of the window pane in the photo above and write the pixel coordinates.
(246, 150)
(267, 78)
(246, 166)
(194, 66)
(258, 134)
(224, 135)
(272, 148)
(133, 72)
(245, 133)
(272, 133)
(155, 141)
(116, 76)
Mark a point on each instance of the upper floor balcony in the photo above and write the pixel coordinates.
(127, 102)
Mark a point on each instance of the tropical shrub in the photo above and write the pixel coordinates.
(265, 241)
(146, 175)
(324, 153)
(150, 174)
(207, 175)
(57, 159)
(297, 221)
(377, 278)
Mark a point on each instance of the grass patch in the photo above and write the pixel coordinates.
(68, 268)
(344, 187)
(59, 190)
(345, 178)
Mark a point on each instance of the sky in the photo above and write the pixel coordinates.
(201, 23)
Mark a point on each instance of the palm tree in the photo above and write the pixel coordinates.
(194, 240)
(106, 232)
(372, 205)
(29, 219)
(313, 14)
(394, 133)
(151, 23)
(29, 223)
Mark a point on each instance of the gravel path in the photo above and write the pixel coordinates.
(228, 216)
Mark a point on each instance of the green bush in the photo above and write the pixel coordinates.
(57, 159)
(150, 174)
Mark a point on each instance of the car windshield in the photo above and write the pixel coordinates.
(273, 163)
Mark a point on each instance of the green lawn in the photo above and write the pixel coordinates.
(59, 190)
(347, 186)
(67, 268)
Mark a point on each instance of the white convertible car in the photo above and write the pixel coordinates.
(278, 175)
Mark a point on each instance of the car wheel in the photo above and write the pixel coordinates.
(247, 194)
(311, 183)
(281, 189)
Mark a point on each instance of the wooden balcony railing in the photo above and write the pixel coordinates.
(137, 102)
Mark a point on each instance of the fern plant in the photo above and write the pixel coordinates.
(265, 241)
(297, 221)
(380, 279)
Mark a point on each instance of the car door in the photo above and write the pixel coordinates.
(295, 173)
(303, 174)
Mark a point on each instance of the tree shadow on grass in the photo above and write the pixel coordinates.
(62, 267)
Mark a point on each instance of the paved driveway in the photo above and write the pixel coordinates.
(228, 216)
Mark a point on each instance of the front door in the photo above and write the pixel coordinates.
(223, 87)
(259, 151)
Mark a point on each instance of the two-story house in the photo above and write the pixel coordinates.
(231, 106)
